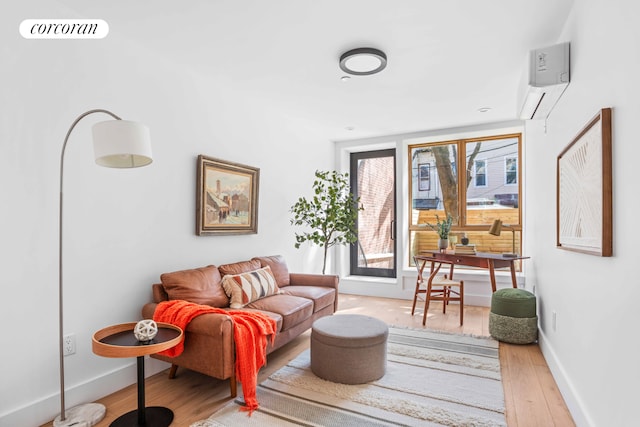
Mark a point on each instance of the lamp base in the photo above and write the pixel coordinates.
(86, 415)
(510, 255)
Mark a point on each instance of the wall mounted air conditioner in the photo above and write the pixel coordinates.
(546, 80)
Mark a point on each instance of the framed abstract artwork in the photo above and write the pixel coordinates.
(584, 210)
(227, 197)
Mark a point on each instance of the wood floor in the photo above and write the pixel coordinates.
(531, 395)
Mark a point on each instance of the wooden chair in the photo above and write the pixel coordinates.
(439, 287)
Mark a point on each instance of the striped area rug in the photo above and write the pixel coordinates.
(432, 379)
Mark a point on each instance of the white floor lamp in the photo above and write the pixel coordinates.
(117, 144)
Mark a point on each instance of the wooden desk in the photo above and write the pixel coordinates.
(480, 259)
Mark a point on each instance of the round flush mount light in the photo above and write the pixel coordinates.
(363, 61)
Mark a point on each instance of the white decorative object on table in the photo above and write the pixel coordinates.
(145, 330)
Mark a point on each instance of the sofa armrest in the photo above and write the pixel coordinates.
(148, 310)
(212, 324)
(302, 279)
(209, 345)
(159, 294)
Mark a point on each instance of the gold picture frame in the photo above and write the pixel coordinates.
(227, 197)
(584, 209)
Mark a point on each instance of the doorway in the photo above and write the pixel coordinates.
(373, 180)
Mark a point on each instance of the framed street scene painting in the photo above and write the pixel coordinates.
(227, 197)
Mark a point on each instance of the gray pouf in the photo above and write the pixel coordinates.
(513, 316)
(349, 348)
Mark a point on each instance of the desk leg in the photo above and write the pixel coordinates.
(492, 275)
(153, 416)
(513, 274)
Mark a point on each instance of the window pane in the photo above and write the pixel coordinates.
(492, 165)
(434, 184)
(511, 168)
(377, 195)
(373, 181)
(488, 189)
(481, 173)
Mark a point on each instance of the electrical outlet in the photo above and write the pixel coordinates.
(69, 344)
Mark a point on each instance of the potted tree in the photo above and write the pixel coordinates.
(443, 228)
(330, 215)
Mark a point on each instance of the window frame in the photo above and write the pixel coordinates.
(485, 174)
(354, 268)
(461, 225)
(424, 177)
(506, 171)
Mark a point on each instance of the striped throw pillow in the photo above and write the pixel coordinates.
(250, 286)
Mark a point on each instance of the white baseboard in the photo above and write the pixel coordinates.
(46, 409)
(571, 398)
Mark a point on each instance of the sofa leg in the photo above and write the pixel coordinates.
(172, 371)
(234, 386)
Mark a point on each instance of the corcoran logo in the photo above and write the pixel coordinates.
(64, 29)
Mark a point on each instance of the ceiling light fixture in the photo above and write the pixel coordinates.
(363, 61)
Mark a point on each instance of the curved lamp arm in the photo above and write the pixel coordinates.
(117, 143)
(496, 229)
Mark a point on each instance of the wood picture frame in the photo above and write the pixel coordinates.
(584, 209)
(227, 197)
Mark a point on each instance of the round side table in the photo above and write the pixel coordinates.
(119, 341)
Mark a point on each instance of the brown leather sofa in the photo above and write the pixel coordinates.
(209, 343)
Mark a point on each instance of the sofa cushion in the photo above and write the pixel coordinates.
(294, 310)
(321, 296)
(278, 268)
(274, 316)
(246, 287)
(239, 267)
(199, 285)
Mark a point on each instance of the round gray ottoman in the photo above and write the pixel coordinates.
(513, 316)
(349, 348)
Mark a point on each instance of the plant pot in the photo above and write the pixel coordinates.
(443, 244)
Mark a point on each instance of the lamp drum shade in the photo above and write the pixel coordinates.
(121, 144)
(496, 228)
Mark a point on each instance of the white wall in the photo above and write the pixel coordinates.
(123, 228)
(593, 351)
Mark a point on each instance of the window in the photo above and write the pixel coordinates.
(424, 177)
(480, 167)
(487, 188)
(510, 170)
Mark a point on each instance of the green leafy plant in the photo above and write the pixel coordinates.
(443, 228)
(331, 214)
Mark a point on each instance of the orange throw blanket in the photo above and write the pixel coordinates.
(250, 334)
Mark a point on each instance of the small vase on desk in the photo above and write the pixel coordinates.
(443, 244)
